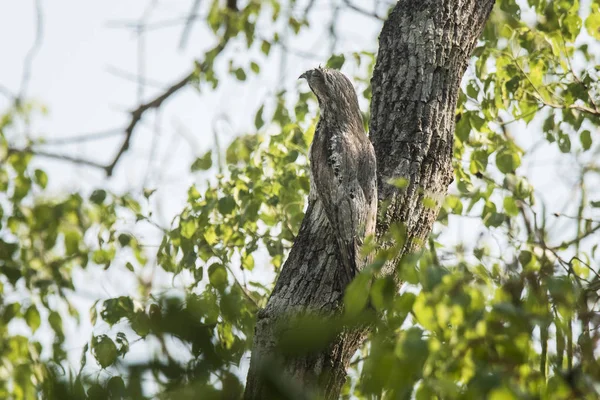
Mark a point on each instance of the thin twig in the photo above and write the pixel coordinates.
(242, 287)
(363, 11)
(167, 23)
(6, 92)
(30, 56)
(187, 29)
(580, 237)
(119, 73)
(136, 115)
(88, 137)
(538, 95)
(62, 157)
(575, 75)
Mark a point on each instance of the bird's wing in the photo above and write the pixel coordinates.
(336, 182)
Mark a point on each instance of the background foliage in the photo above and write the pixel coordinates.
(512, 314)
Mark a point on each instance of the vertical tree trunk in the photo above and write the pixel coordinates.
(424, 48)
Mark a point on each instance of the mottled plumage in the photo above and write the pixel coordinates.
(343, 166)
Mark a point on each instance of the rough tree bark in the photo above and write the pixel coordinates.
(424, 49)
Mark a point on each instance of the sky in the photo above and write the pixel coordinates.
(85, 71)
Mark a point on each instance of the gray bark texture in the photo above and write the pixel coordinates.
(424, 49)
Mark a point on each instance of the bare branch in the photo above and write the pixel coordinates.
(6, 92)
(29, 57)
(137, 114)
(119, 73)
(308, 8)
(168, 23)
(187, 29)
(363, 11)
(295, 52)
(88, 137)
(61, 157)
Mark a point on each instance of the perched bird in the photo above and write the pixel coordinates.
(342, 166)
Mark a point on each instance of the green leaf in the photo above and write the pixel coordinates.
(123, 343)
(408, 270)
(32, 317)
(382, 293)
(592, 23)
(265, 47)
(140, 323)
(463, 128)
(148, 192)
(507, 161)
(357, 294)
(124, 239)
(226, 205)
(429, 203)
(93, 313)
(240, 74)
(510, 206)
(400, 183)
(72, 239)
(258, 119)
(96, 392)
(217, 276)
(104, 350)
(55, 321)
(472, 89)
(479, 161)
(586, 139)
(41, 178)
(188, 228)
(571, 26)
(116, 388)
(98, 196)
(564, 143)
(115, 309)
(412, 347)
(336, 61)
(248, 262)
(425, 313)
(501, 394)
(202, 163)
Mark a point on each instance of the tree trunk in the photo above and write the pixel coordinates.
(424, 48)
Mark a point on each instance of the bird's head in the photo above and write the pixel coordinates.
(317, 81)
(333, 90)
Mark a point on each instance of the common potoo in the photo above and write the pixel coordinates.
(342, 166)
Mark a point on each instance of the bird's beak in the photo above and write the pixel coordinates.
(304, 75)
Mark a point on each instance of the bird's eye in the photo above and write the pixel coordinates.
(320, 76)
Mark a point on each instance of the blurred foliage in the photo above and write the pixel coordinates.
(468, 322)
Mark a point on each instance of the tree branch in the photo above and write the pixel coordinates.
(363, 11)
(88, 137)
(136, 115)
(119, 73)
(188, 24)
(29, 57)
(61, 157)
